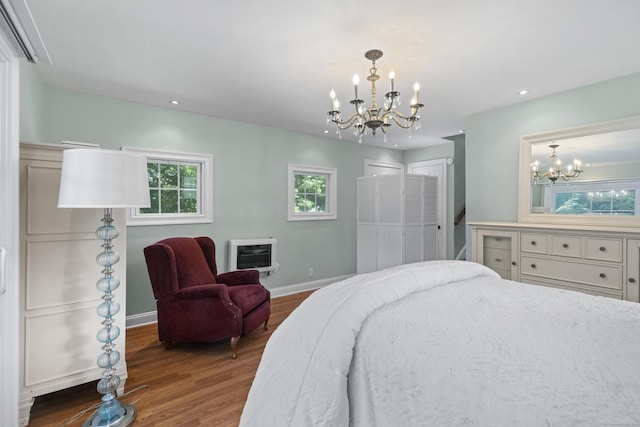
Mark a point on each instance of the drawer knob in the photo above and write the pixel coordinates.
(514, 263)
(603, 275)
(533, 266)
(498, 259)
(533, 243)
(603, 249)
(565, 245)
(632, 280)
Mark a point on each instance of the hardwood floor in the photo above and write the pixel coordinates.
(189, 385)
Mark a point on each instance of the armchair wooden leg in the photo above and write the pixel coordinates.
(266, 326)
(168, 345)
(234, 346)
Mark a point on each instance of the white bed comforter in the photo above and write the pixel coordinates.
(465, 348)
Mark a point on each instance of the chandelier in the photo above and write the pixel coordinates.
(375, 117)
(555, 172)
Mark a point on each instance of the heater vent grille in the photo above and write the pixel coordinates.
(253, 254)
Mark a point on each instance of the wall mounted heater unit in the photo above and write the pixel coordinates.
(253, 254)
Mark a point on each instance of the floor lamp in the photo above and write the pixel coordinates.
(107, 179)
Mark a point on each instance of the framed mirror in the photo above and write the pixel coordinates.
(597, 182)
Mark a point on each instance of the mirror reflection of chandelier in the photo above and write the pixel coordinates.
(555, 172)
(375, 117)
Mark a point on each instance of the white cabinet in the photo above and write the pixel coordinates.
(593, 260)
(497, 249)
(397, 220)
(633, 270)
(58, 296)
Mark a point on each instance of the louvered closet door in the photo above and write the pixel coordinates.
(390, 211)
(430, 218)
(413, 248)
(367, 218)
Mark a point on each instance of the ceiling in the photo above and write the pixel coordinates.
(273, 63)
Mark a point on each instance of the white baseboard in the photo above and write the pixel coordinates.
(142, 319)
(281, 291)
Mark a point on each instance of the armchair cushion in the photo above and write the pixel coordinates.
(248, 297)
(191, 264)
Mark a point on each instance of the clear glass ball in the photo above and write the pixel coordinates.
(107, 284)
(108, 334)
(107, 309)
(107, 232)
(107, 258)
(108, 384)
(106, 360)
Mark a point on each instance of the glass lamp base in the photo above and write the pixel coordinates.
(125, 420)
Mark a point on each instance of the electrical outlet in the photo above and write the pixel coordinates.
(310, 271)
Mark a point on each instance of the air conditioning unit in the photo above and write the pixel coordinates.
(253, 254)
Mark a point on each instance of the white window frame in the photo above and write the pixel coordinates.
(586, 186)
(205, 193)
(331, 199)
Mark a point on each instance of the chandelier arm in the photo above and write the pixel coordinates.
(346, 124)
(412, 116)
(402, 125)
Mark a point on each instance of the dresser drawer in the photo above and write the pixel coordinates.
(571, 287)
(534, 243)
(590, 274)
(603, 249)
(566, 246)
(496, 242)
(497, 259)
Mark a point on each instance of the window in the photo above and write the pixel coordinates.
(596, 198)
(312, 193)
(179, 186)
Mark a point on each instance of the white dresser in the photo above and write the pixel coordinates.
(58, 273)
(595, 260)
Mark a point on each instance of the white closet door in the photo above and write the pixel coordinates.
(390, 212)
(367, 229)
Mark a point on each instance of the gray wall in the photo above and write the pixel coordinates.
(493, 137)
(249, 179)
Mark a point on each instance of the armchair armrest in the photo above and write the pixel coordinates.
(239, 277)
(203, 291)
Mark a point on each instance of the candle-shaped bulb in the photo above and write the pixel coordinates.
(332, 94)
(392, 76)
(356, 80)
(416, 92)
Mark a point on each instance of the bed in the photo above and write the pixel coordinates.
(449, 343)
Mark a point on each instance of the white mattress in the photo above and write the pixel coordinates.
(449, 343)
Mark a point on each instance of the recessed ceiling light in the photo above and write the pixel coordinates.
(325, 131)
(461, 131)
(395, 145)
(524, 92)
(174, 102)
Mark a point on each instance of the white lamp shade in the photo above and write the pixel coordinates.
(96, 178)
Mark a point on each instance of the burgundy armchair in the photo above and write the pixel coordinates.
(195, 303)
